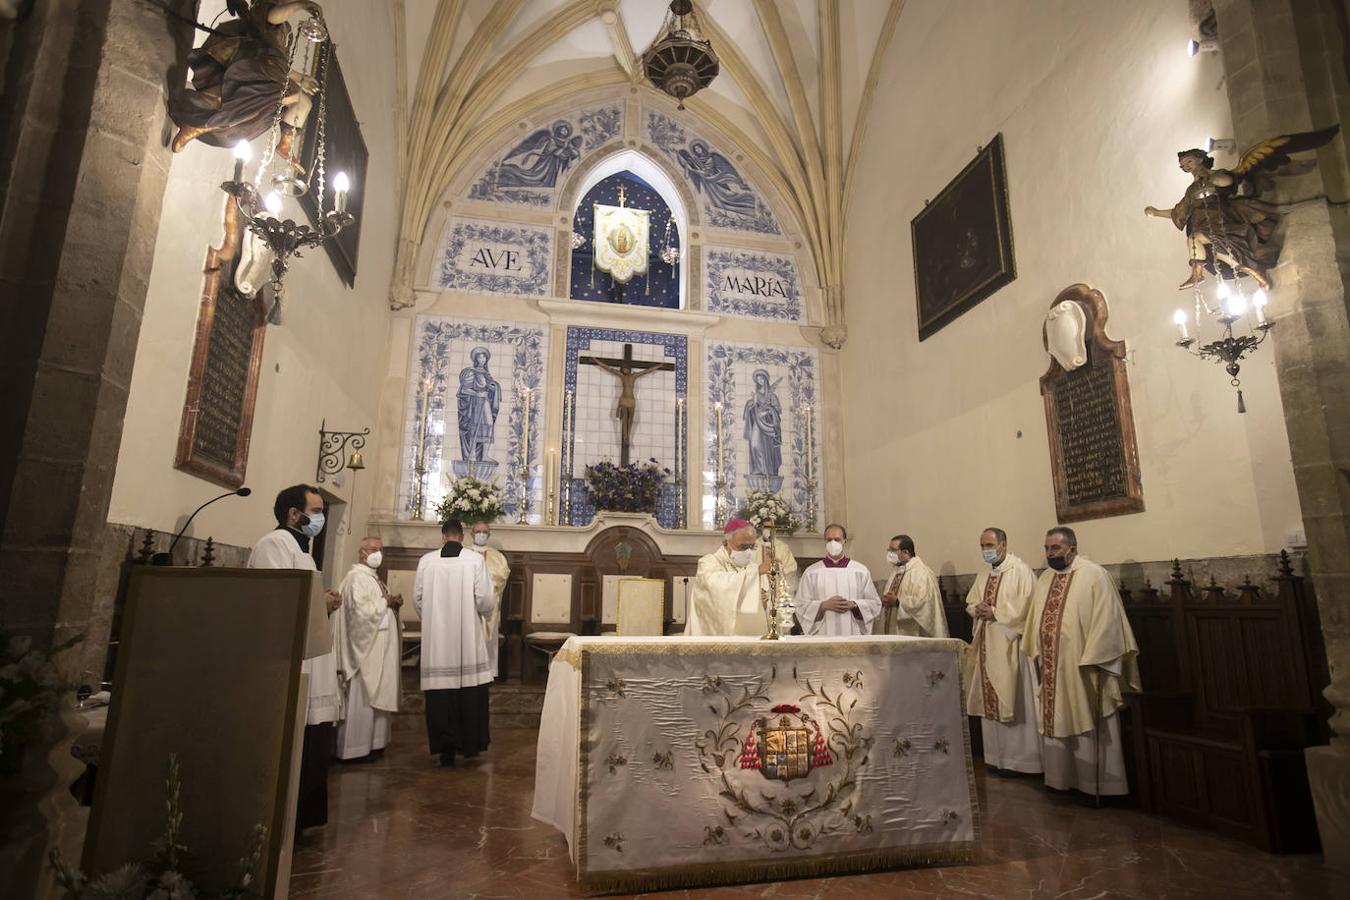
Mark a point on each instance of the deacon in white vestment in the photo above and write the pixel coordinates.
(1000, 681)
(299, 513)
(912, 601)
(453, 595)
(726, 597)
(836, 597)
(499, 571)
(1085, 656)
(367, 639)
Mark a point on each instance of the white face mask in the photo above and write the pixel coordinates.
(892, 557)
(374, 559)
(480, 538)
(743, 558)
(834, 548)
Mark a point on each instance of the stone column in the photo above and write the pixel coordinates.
(83, 166)
(1286, 73)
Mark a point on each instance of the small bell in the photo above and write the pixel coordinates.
(356, 462)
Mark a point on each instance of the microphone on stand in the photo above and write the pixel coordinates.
(166, 558)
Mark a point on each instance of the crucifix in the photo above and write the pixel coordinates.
(628, 371)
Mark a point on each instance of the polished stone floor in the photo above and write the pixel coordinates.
(403, 828)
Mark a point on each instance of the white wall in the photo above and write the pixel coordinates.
(1093, 99)
(325, 361)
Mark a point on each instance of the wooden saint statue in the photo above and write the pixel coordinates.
(1228, 227)
(239, 75)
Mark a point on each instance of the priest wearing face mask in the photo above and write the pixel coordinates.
(499, 571)
(366, 635)
(726, 598)
(1000, 683)
(1085, 656)
(299, 513)
(836, 597)
(912, 602)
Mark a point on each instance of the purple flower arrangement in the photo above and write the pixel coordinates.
(631, 488)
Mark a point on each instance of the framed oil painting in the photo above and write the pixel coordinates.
(346, 152)
(963, 244)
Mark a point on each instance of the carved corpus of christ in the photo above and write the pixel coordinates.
(628, 371)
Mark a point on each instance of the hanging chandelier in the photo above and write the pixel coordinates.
(260, 200)
(1228, 348)
(681, 61)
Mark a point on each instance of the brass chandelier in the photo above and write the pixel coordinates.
(681, 61)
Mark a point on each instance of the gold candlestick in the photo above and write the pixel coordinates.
(680, 463)
(549, 476)
(719, 482)
(420, 463)
(568, 449)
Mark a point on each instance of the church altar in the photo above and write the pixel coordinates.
(673, 761)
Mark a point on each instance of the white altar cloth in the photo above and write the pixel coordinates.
(681, 761)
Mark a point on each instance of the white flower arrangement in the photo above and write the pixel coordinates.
(763, 508)
(471, 500)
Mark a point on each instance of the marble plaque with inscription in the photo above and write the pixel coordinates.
(1093, 453)
(217, 422)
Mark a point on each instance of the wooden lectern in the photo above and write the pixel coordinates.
(209, 670)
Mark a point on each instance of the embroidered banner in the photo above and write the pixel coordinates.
(721, 760)
(621, 241)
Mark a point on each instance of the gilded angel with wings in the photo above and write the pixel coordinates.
(1228, 227)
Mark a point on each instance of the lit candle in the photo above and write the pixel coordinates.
(718, 408)
(341, 184)
(1259, 301)
(273, 203)
(549, 480)
(1179, 317)
(242, 153)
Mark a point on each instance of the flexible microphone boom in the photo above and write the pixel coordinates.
(166, 558)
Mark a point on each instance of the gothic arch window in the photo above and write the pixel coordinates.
(642, 187)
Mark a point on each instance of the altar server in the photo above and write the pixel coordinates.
(1085, 656)
(726, 595)
(1000, 682)
(366, 635)
(912, 601)
(499, 572)
(836, 597)
(453, 595)
(299, 513)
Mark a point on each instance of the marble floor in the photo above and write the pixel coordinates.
(401, 827)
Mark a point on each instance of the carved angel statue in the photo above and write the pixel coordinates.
(239, 74)
(1228, 227)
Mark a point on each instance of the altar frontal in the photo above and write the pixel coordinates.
(724, 760)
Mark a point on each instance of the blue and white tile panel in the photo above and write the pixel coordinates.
(441, 350)
(794, 372)
(494, 258)
(751, 284)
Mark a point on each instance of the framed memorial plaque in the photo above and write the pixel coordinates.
(222, 385)
(963, 246)
(345, 152)
(1093, 455)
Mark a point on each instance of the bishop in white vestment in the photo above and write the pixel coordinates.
(1085, 655)
(1001, 682)
(726, 597)
(453, 595)
(836, 597)
(499, 571)
(368, 643)
(912, 601)
(299, 513)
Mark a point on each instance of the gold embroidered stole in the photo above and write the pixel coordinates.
(1051, 617)
(990, 695)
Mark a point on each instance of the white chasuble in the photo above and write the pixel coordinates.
(1085, 655)
(992, 685)
(499, 571)
(621, 241)
(453, 596)
(366, 638)
(725, 598)
(852, 582)
(280, 549)
(920, 612)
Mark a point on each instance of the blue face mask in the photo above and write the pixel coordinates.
(990, 556)
(313, 526)
(1058, 563)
